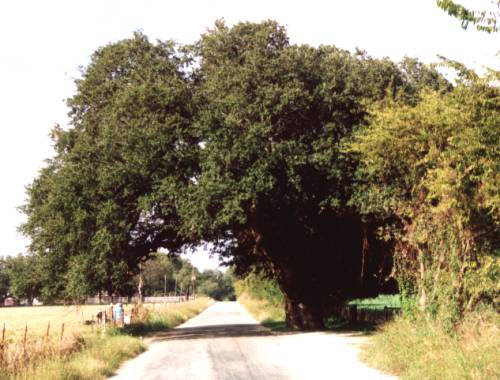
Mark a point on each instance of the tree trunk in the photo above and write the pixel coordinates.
(300, 316)
(140, 285)
(300, 312)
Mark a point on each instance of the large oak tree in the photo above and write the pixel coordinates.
(237, 141)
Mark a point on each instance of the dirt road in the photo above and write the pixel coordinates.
(225, 342)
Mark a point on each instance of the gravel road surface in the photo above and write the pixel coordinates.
(225, 342)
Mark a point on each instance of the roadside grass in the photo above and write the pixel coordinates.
(96, 355)
(418, 348)
(271, 315)
(161, 317)
(412, 348)
(98, 359)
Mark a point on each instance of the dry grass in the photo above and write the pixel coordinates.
(38, 317)
(420, 349)
(98, 360)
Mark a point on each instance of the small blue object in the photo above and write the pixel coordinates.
(118, 312)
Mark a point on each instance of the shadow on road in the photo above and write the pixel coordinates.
(215, 331)
(232, 331)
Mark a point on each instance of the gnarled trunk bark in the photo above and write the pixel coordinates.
(319, 267)
(300, 316)
(301, 312)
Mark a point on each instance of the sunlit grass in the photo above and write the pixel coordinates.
(270, 315)
(101, 356)
(420, 349)
(37, 318)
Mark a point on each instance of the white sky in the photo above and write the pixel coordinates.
(44, 42)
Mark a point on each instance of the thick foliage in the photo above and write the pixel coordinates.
(261, 288)
(23, 276)
(92, 212)
(241, 148)
(274, 184)
(432, 172)
(216, 285)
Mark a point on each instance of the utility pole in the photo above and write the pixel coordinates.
(193, 278)
(165, 286)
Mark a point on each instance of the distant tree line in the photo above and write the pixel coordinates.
(337, 174)
(164, 275)
(23, 278)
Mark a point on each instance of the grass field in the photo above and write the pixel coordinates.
(36, 318)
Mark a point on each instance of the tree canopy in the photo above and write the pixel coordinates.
(239, 140)
(94, 214)
(21, 277)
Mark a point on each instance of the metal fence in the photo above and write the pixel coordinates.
(106, 300)
(369, 313)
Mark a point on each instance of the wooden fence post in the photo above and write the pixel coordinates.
(62, 332)
(2, 345)
(24, 339)
(46, 342)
